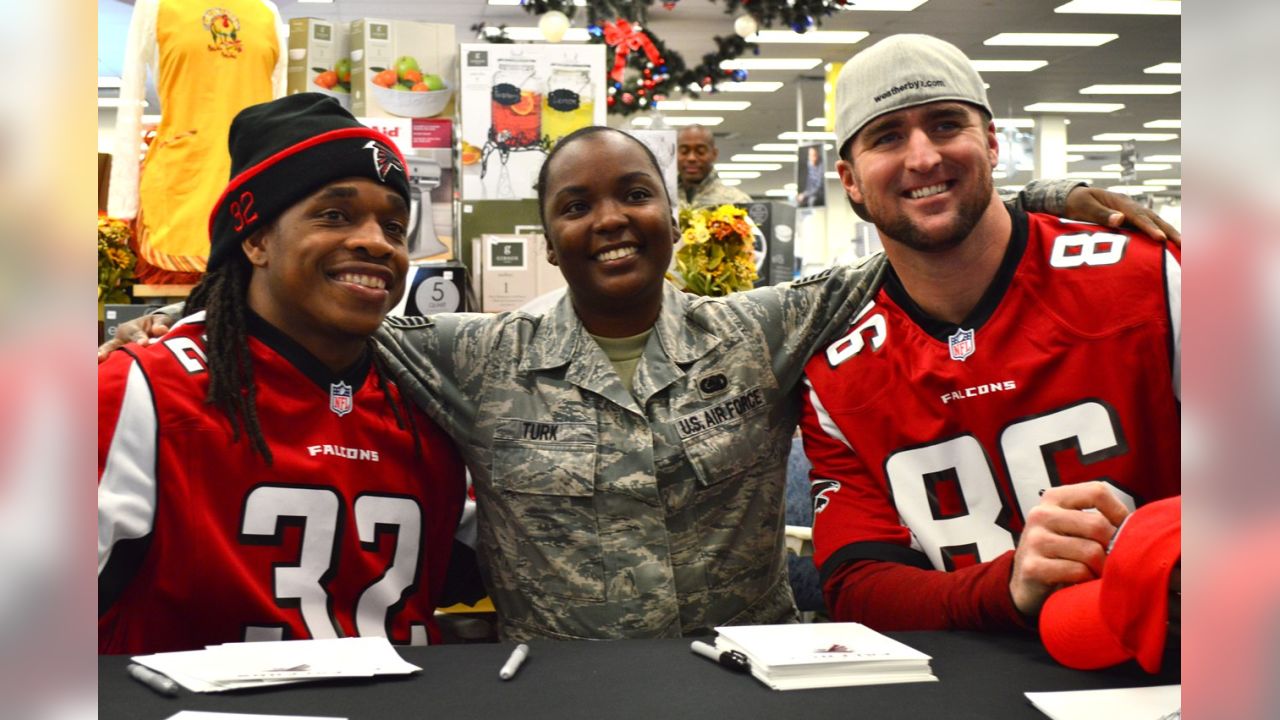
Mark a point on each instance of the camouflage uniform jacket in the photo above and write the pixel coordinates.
(711, 193)
(604, 514)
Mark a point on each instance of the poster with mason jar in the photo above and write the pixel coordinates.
(517, 101)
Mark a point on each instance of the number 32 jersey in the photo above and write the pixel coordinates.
(200, 541)
(930, 442)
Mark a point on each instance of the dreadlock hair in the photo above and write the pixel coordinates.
(223, 294)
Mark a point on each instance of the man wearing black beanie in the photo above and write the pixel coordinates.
(233, 452)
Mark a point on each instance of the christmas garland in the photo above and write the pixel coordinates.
(656, 72)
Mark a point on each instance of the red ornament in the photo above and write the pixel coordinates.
(628, 98)
(610, 101)
(640, 91)
(648, 72)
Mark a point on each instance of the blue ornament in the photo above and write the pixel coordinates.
(740, 75)
(592, 30)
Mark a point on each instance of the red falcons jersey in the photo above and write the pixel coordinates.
(930, 442)
(200, 541)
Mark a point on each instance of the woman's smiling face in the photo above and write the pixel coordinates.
(611, 232)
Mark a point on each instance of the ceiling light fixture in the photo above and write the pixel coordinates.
(1094, 148)
(764, 157)
(813, 37)
(708, 105)
(1051, 39)
(1163, 158)
(763, 167)
(1073, 107)
(1131, 90)
(756, 86)
(1014, 122)
(801, 135)
(675, 121)
(986, 66)
(1164, 181)
(775, 147)
(817, 122)
(738, 174)
(1140, 167)
(1135, 136)
(770, 64)
(1122, 7)
(1093, 175)
(1163, 125)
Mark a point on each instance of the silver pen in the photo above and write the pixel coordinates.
(514, 662)
(152, 679)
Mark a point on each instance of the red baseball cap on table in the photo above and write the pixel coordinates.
(1124, 614)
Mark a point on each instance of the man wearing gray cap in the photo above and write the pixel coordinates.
(977, 413)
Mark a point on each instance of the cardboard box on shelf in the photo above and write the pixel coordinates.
(492, 217)
(319, 58)
(508, 278)
(409, 50)
(517, 100)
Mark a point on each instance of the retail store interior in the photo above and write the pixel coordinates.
(1087, 89)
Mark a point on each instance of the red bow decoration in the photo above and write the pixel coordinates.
(626, 37)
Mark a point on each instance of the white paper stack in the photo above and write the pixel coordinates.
(251, 665)
(1155, 703)
(791, 657)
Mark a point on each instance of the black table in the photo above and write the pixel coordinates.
(980, 677)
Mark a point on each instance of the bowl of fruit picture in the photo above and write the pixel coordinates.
(405, 90)
(334, 82)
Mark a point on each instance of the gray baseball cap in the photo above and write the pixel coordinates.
(899, 72)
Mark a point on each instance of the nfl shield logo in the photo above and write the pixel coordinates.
(961, 344)
(340, 398)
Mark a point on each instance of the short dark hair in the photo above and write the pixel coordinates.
(541, 186)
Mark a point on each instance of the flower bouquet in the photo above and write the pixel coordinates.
(115, 260)
(716, 253)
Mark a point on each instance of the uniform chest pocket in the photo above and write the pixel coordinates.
(545, 474)
(724, 440)
(737, 503)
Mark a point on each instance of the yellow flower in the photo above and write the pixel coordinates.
(717, 255)
(115, 260)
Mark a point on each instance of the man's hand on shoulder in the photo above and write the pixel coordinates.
(1063, 543)
(1110, 209)
(140, 330)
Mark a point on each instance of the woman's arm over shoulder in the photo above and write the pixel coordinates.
(798, 318)
(439, 361)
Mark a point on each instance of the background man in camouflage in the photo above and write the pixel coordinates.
(700, 185)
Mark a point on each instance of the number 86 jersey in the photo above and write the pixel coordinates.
(930, 442)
